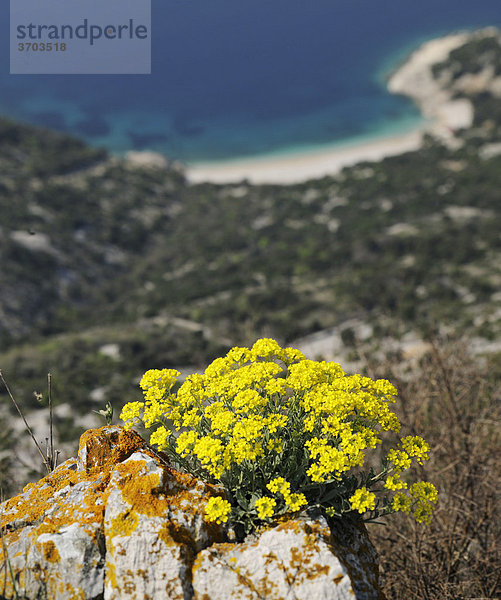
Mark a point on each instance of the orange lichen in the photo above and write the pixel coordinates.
(105, 447)
(88, 512)
(129, 587)
(138, 488)
(102, 448)
(71, 593)
(298, 568)
(50, 552)
(317, 569)
(154, 495)
(111, 575)
(173, 590)
(124, 524)
(263, 588)
(5, 539)
(165, 536)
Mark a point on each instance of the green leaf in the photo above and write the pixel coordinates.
(241, 498)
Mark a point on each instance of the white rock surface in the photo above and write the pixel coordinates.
(146, 159)
(71, 561)
(164, 534)
(58, 550)
(292, 560)
(298, 560)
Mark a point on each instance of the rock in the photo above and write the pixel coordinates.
(152, 537)
(54, 543)
(300, 559)
(118, 523)
(146, 158)
(71, 561)
(100, 448)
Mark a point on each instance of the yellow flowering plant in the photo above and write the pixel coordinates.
(280, 433)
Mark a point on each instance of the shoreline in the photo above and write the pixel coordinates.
(297, 167)
(412, 78)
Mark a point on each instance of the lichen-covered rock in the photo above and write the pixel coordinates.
(103, 448)
(118, 523)
(116, 514)
(71, 562)
(53, 538)
(154, 527)
(295, 560)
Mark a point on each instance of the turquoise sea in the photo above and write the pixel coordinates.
(239, 79)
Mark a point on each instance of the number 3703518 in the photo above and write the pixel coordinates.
(41, 47)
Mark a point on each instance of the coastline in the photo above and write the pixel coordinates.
(413, 78)
(297, 167)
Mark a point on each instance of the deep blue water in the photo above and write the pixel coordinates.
(240, 78)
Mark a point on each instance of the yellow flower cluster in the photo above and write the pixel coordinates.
(363, 500)
(257, 417)
(131, 414)
(422, 498)
(282, 487)
(401, 502)
(265, 507)
(156, 386)
(279, 486)
(415, 447)
(217, 509)
(393, 482)
(410, 447)
(161, 437)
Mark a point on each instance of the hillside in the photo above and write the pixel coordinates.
(110, 268)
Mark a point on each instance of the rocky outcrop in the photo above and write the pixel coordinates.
(118, 522)
(433, 96)
(300, 559)
(443, 97)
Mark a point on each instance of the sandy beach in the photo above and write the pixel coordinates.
(412, 79)
(294, 168)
